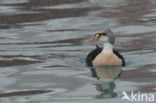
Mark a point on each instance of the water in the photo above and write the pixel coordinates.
(43, 45)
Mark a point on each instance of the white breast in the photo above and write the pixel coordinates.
(107, 59)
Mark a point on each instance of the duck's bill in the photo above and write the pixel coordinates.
(95, 38)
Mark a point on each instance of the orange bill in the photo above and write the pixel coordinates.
(95, 38)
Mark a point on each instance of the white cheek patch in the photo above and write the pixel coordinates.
(104, 38)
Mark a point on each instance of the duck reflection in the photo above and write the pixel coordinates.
(107, 74)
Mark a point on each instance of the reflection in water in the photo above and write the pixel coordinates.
(108, 74)
(106, 90)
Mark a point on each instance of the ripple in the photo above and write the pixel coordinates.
(16, 62)
(24, 93)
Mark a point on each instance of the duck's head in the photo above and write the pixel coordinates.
(106, 36)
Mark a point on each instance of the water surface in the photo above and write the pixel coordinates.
(43, 45)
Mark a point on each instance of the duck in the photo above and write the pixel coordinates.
(106, 56)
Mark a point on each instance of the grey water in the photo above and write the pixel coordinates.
(43, 45)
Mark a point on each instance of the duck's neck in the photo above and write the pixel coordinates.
(107, 48)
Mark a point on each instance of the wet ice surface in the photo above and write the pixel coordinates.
(43, 45)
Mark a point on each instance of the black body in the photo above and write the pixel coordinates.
(91, 56)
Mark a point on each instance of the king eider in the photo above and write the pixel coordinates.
(106, 56)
